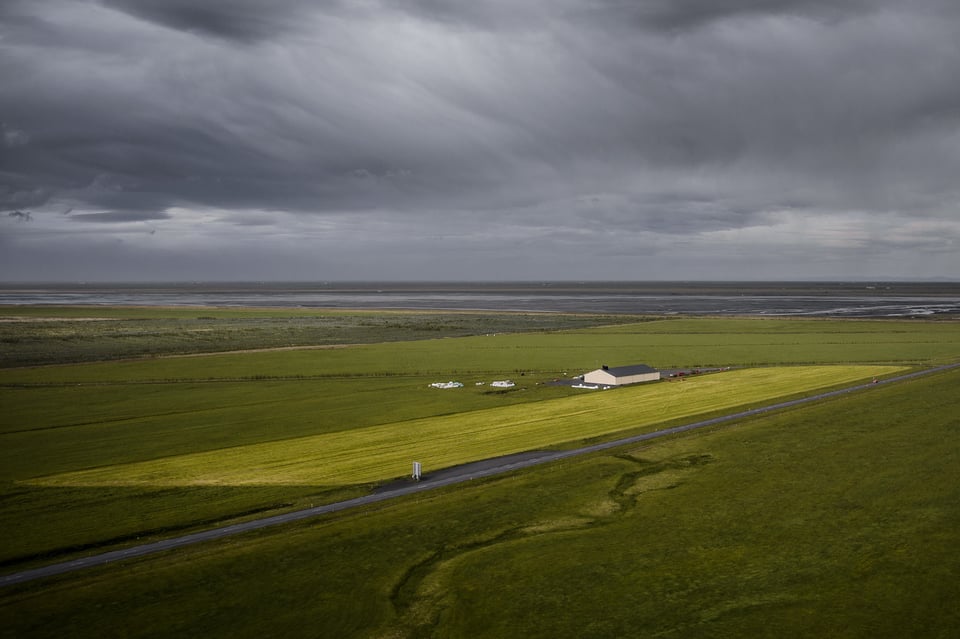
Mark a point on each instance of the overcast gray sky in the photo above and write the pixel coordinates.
(508, 139)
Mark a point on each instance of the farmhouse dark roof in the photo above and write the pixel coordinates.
(626, 371)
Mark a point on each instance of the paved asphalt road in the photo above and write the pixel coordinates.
(446, 477)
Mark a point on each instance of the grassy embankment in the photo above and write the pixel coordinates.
(840, 519)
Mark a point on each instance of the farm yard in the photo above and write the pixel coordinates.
(800, 521)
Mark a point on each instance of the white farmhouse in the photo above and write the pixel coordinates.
(622, 375)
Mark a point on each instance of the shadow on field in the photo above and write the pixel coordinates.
(58, 523)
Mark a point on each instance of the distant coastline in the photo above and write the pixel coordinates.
(704, 287)
(824, 299)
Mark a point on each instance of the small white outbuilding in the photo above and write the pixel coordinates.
(622, 375)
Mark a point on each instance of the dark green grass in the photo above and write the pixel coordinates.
(54, 429)
(59, 523)
(50, 335)
(63, 418)
(839, 520)
(663, 343)
(47, 521)
(831, 521)
(48, 430)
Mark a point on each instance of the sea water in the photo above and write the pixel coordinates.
(825, 299)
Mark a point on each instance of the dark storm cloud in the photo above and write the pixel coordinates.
(20, 216)
(679, 15)
(625, 104)
(242, 20)
(151, 123)
(568, 123)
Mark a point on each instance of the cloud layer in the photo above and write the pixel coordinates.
(581, 139)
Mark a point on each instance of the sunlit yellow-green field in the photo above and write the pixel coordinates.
(386, 451)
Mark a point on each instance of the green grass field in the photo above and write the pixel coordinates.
(662, 343)
(383, 452)
(52, 335)
(839, 519)
(104, 454)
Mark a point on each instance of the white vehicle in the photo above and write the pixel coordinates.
(446, 385)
